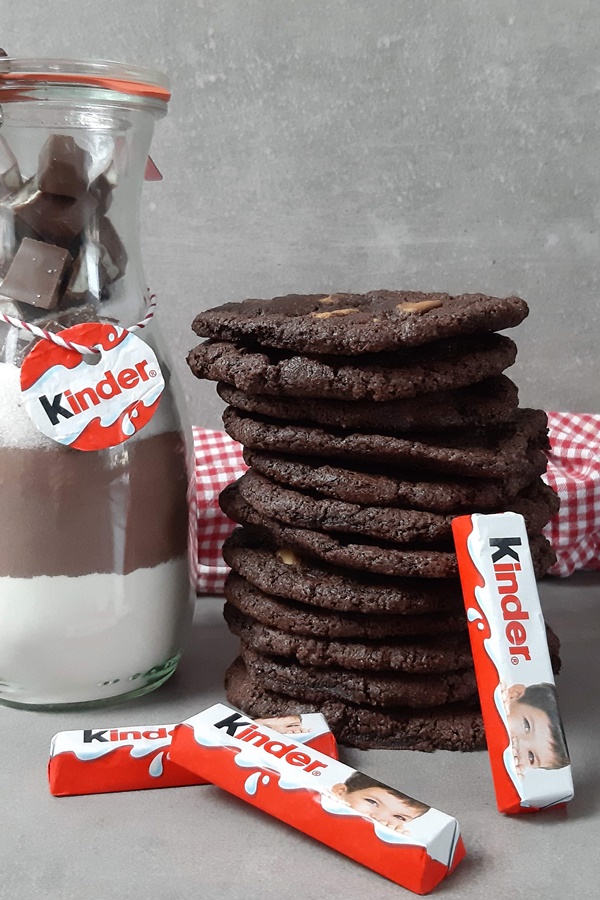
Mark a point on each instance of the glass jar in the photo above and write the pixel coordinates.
(95, 595)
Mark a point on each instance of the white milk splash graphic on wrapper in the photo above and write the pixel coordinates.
(100, 743)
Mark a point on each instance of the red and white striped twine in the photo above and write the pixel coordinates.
(71, 345)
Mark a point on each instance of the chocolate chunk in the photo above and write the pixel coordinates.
(102, 188)
(102, 260)
(35, 274)
(83, 285)
(63, 165)
(56, 219)
(8, 240)
(69, 317)
(10, 176)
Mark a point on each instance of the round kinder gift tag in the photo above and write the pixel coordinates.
(94, 401)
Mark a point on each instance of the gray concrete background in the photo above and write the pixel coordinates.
(357, 144)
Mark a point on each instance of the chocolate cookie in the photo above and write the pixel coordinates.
(318, 684)
(447, 727)
(278, 570)
(380, 376)
(416, 655)
(381, 557)
(537, 504)
(382, 689)
(296, 618)
(358, 323)
(488, 403)
(376, 485)
(486, 453)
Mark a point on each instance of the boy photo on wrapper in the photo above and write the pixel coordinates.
(534, 726)
(377, 801)
(284, 724)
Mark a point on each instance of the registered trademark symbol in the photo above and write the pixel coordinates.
(514, 660)
(152, 373)
(315, 772)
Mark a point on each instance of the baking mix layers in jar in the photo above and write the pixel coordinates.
(94, 578)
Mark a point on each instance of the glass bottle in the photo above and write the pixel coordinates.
(95, 593)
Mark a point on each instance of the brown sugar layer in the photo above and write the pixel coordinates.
(50, 508)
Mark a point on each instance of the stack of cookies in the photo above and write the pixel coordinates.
(368, 422)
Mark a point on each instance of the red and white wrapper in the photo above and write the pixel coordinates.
(523, 729)
(573, 471)
(303, 787)
(92, 405)
(137, 758)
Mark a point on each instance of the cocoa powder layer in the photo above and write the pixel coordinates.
(68, 512)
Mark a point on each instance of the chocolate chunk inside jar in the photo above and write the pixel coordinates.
(95, 596)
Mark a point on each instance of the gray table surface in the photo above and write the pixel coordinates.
(200, 842)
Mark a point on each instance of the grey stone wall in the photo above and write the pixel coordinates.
(346, 145)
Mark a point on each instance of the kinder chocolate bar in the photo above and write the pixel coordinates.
(97, 761)
(409, 842)
(525, 738)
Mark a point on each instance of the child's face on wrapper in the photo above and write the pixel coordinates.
(379, 804)
(531, 736)
(284, 724)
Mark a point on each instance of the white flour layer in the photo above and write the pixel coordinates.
(68, 640)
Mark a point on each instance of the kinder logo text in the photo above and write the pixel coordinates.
(106, 389)
(507, 566)
(251, 734)
(130, 734)
(92, 405)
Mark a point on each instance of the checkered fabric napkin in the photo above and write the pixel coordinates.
(573, 471)
(218, 462)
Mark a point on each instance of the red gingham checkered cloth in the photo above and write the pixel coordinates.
(218, 463)
(573, 471)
